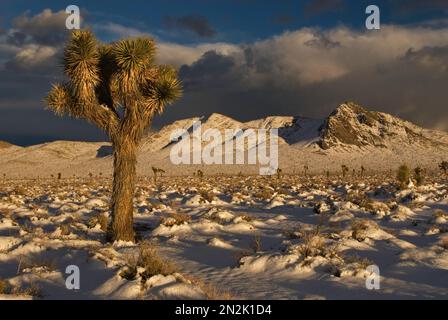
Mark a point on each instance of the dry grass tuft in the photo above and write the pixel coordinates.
(100, 219)
(362, 262)
(207, 195)
(5, 287)
(35, 262)
(211, 292)
(175, 219)
(246, 217)
(149, 259)
(359, 229)
(32, 290)
(65, 229)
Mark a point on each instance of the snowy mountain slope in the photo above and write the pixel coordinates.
(4, 145)
(352, 125)
(349, 135)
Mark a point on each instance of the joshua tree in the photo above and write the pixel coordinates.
(362, 171)
(119, 88)
(403, 176)
(444, 166)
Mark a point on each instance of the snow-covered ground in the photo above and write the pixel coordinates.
(227, 237)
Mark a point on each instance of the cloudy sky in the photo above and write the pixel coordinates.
(243, 58)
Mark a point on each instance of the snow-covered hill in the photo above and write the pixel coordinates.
(350, 135)
(352, 125)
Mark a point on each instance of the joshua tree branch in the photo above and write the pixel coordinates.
(62, 102)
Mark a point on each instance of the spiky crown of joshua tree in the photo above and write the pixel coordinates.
(105, 77)
(119, 88)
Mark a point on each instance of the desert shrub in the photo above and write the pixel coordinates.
(149, 259)
(20, 191)
(246, 217)
(362, 262)
(313, 244)
(292, 234)
(403, 176)
(207, 195)
(359, 228)
(265, 194)
(283, 190)
(65, 229)
(174, 218)
(100, 219)
(5, 287)
(419, 176)
(34, 262)
(211, 292)
(32, 290)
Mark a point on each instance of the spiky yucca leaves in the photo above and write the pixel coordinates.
(81, 60)
(102, 79)
(163, 88)
(60, 101)
(133, 58)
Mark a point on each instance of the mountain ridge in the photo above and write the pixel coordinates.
(350, 134)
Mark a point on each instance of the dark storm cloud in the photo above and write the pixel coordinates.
(16, 38)
(196, 24)
(317, 7)
(399, 70)
(46, 28)
(30, 55)
(297, 74)
(436, 57)
(415, 6)
(212, 67)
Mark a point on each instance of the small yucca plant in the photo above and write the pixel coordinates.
(119, 88)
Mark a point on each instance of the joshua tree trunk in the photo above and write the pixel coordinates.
(125, 161)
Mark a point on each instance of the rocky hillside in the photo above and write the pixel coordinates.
(352, 125)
